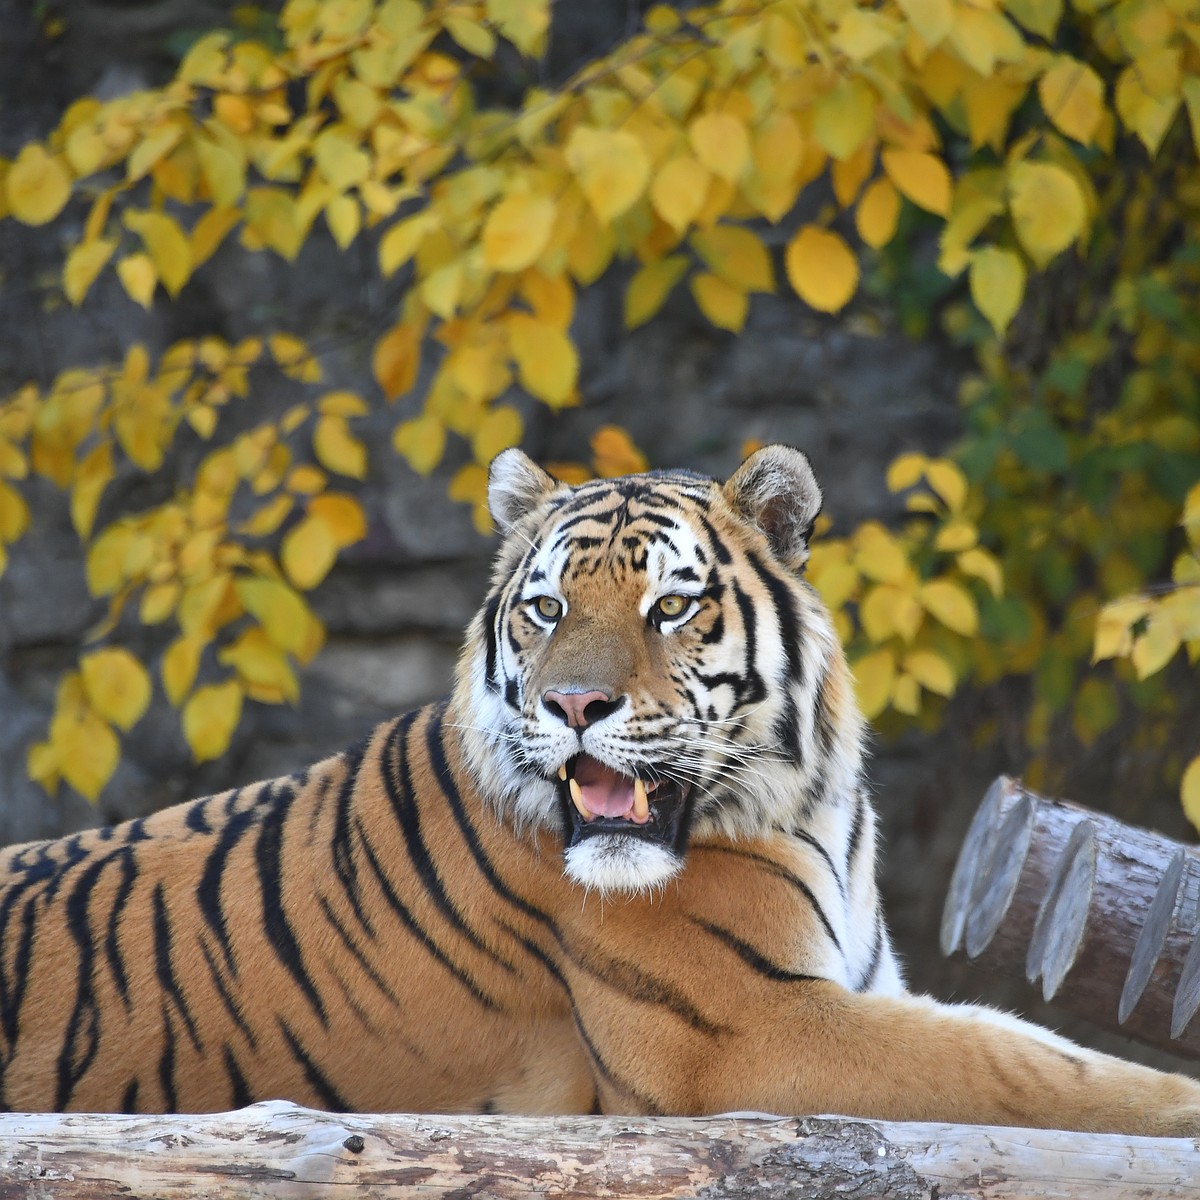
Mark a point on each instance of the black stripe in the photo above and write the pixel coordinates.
(112, 946)
(166, 1063)
(341, 847)
(208, 890)
(781, 872)
(401, 910)
(239, 1092)
(490, 678)
(268, 857)
(82, 1036)
(162, 964)
(855, 838)
(129, 1099)
(330, 1097)
(403, 797)
(751, 957)
(231, 1006)
(872, 967)
(353, 948)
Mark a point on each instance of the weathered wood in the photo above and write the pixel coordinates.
(277, 1150)
(1103, 912)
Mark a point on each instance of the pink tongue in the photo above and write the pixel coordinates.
(605, 793)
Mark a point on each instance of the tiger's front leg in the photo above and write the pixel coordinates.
(810, 1046)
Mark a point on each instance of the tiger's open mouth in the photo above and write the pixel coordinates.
(596, 799)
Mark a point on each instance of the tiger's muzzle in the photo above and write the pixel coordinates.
(597, 799)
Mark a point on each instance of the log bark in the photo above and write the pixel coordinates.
(277, 1150)
(1103, 913)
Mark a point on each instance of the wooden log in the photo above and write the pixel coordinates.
(277, 1150)
(1104, 913)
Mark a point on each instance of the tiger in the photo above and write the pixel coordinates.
(627, 867)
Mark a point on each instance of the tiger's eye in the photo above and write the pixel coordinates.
(672, 606)
(548, 607)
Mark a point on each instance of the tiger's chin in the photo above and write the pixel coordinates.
(615, 863)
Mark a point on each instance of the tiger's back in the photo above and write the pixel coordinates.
(627, 867)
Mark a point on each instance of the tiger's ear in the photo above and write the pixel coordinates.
(516, 484)
(776, 491)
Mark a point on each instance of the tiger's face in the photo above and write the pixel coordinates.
(649, 664)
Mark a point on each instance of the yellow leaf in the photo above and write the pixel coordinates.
(338, 449)
(821, 268)
(180, 662)
(340, 158)
(138, 276)
(932, 19)
(210, 231)
(906, 471)
(1072, 96)
(14, 514)
(308, 552)
(158, 601)
(422, 441)
(268, 518)
(1156, 647)
(878, 555)
(551, 297)
(523, 22)
(844, 117)
(877, 213)
(517, 231)
(396, 360)
(86, 747)
(152, 149)
(403, 240)
(951, 604)
(262, 668)
(948, 481)
(678, 191)
(83, 264)
(37, 185)
(614, 454)
(342, 404)
(1148, 114)
(906, 694)
(547, 362)
(344, 218)
(117, 685)
(43, 766)
(981, 564)
(957, 534)
(500, 429)
(611, 167)
(210, 717)
(306, 480)
(1047, 208)
(997, 285)
(922, 177)
(861, 34)
(92, 476)
(168, 246)
(469, 484)
(284, 616)
(737, 256)
(342, 514)
(983, 38)
(650, 287)
(721, 144)
(223, 168)
(873, 676)
(725, 306)
(474, 38)
(1189, 790)
(931, 671)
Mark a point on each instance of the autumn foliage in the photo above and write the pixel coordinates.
(1044, 152)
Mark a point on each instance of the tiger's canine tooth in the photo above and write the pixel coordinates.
(562, 772)
(577, 799)
(641, 806)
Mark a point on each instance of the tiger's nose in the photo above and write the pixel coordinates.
(578, 710)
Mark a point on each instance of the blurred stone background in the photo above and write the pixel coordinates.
(852, 394)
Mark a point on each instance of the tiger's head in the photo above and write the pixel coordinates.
(650, 664)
